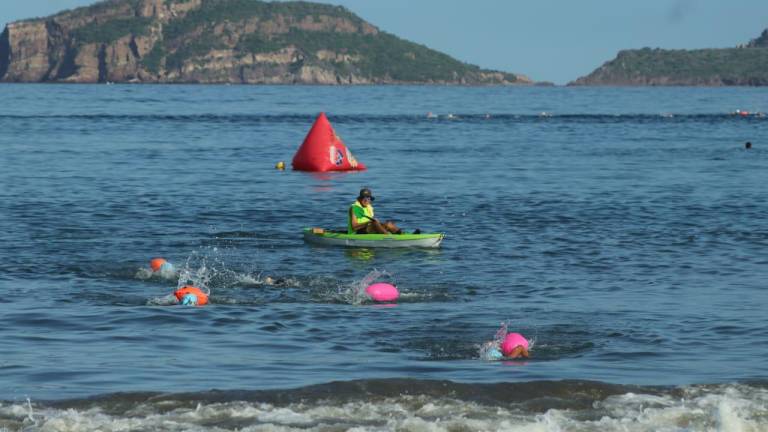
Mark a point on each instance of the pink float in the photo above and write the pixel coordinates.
(512, 341)
(382, 292)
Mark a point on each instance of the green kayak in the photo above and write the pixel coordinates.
(341, 238)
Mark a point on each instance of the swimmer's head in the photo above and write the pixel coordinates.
(189, 300)
(156, 263)
(512, 341)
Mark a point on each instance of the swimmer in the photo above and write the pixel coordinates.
(748, 145)
(505, 346)
(518, 351)
(160, 265)
(514, 346)
(275, 281)
(189, 295)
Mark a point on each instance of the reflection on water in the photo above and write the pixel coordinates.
(360, 254)
(423, 255)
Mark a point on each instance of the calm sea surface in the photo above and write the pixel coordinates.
(624, 230)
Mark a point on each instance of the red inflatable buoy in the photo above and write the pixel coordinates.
(323, 150)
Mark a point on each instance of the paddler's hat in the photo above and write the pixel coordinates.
(366, 193)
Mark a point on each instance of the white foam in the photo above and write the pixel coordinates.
(733, 408)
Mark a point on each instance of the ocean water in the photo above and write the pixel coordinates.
(622, 230)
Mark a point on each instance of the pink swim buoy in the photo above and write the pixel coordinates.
(512, 341)
(382, 292)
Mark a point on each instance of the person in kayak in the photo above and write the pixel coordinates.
(361, 219)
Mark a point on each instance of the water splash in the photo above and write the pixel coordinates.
(355, 294)
(31, 413)
(196, 276)
(206, 269)
(491, 350)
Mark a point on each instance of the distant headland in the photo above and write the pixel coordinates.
(745, 65)
(223, 41)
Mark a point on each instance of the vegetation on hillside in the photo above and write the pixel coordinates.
(99, 8)
(217, 11)
(760, 42)
(153, 60)
(380, 55)
(730, 66)
(697, 63)
(112, 30)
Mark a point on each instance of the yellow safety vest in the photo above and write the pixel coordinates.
(359, 211)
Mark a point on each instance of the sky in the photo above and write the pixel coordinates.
(546, 40)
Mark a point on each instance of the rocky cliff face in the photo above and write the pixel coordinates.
(5, 53)
(743, 66)
(222, 41)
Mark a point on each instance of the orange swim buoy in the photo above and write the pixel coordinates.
(156, 263)
(202, 298)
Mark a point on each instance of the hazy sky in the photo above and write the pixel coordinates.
(554, 40)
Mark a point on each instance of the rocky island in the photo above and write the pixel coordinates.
(745, 65)
(223, 41)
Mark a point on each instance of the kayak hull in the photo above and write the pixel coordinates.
(335, 238)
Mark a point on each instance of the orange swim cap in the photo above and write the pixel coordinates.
(156, 263)
(202, 298)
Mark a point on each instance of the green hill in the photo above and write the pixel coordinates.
(223, 41)
(743, 66)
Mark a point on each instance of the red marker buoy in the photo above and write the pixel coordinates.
(323, 150)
